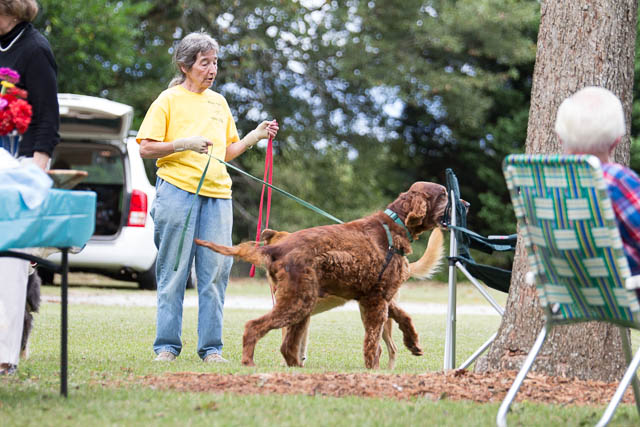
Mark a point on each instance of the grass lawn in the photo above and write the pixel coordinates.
(110, 346)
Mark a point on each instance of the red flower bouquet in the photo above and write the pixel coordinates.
(15, 111)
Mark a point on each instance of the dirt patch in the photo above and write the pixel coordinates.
(454, 385)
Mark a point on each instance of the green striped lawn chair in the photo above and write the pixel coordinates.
(574, 252)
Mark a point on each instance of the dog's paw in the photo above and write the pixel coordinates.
(416, 350)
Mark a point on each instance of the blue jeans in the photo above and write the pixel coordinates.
(211, 219)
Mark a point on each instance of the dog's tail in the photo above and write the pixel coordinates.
(246, 251)
(430, 261)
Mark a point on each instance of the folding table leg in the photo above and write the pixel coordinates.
(501, 418)
(63, 335)
(629, 375)
(63, 269)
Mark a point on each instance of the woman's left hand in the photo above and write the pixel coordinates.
(266, 129)
(263, 131)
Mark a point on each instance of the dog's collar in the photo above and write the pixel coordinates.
(394, 216)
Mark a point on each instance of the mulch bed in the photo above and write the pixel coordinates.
(453, 385)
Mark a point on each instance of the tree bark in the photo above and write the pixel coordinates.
(580, 43)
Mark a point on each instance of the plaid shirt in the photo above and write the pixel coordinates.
(624, 191)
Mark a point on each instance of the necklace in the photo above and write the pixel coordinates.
(4, 49)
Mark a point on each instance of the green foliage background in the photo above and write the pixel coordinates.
(370, 95)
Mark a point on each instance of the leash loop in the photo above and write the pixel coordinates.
(268, 177)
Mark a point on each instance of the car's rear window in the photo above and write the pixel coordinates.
(103, 163)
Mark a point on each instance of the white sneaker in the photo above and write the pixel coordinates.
(215, 358)
(165, 356)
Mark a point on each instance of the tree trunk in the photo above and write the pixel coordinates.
(580, 43)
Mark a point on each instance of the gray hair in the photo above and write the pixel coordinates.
(590, 121)
(186, 53)
(22, 10)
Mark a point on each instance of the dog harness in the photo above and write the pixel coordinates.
(392, 249)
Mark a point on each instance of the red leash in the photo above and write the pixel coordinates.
(268, 177)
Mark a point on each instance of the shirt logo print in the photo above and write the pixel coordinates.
(216, 111)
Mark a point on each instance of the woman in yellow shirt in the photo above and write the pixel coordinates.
(181, 126)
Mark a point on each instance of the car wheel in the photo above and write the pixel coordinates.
(147, 280)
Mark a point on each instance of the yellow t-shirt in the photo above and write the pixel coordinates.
(179, 113)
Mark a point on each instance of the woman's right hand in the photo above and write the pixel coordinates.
(198, 144)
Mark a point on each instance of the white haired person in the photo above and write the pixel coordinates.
(182, 125)
(591, 121)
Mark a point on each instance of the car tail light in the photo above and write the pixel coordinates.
(137, 209)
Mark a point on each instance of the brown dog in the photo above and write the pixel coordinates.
(361, 260)
(32, 306)
(424, 268)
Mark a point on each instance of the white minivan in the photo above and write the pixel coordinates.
(94, 137)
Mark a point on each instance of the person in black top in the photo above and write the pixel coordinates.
(25, 50)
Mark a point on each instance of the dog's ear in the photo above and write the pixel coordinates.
(417, 210)
(267, 234)
(437, 205)
(271, 237)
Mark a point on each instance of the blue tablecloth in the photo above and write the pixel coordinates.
(65, 219)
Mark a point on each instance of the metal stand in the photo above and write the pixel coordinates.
(63, 269)
(450, 334)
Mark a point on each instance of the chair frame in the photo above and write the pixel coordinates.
(551, 308)
(450, 332)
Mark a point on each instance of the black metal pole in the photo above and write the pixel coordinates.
(63, 337)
